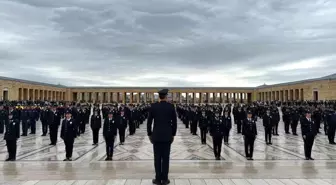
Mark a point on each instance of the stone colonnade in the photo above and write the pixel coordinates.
(148, 97)
(34, 94)
(281, 95)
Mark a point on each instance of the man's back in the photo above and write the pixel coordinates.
(165, 122)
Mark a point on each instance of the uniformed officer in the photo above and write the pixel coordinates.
(11, 135)
(68, 134)
(122, 122)
(3, 117)
(109, 133)
(249, 132)
(162, 135)
(96, 122)
(268, 125)
(309, 131)
(203, 124)
(54, 121)
(227, 126)
(332, 128)
(217, 132)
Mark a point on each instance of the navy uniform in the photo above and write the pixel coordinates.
(122, 122)
(68, 134)
(331, 128)
(268, 125)
(162, 135)
(227, 126)
(3, 117)
(217, 129)
(11, 135)
(309, 131)
(54, 120)
(109, 133)
(96, 122)
(295, 120)
(203, 124)
(249, 132)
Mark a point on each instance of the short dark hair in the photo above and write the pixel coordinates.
(162, 96)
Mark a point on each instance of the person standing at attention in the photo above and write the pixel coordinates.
(162, 135)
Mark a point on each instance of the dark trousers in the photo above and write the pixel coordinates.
(268, 135)
(11, 148)
(203, 135)
(32, 126)
(131, 127)
(109, 146)
(69, 147)
(193, 127)
(325, 127)
(217, 145)
(287, 123)
(122, 134)
(186, 124)
(239, 126)
(53, 134)
(82, 127)
(275, 128)
(294, 126)
(95, 135)
(308, 145)
(161, 160)
(24, 127)
(44, 128)
(249, 145)
(318, 125)
(2, 126)
(331, 135)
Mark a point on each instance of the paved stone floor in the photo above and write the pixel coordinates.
(191, 163)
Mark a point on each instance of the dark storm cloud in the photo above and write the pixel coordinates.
(168, 42)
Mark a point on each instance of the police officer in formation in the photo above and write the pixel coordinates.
(110, 132)
(203, 125)
(249, 131)
(268, 123)
(12, 133)
(217, 130)
(227, 126)
(309, 132)
(96, 122)
(68, 134)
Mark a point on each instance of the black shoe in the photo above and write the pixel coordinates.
(307, 158)
(8, 159)
(165, 182)
(107, 159)
(66, 159)
(311, 158)
(154, 181)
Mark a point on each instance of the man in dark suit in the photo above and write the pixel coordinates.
(162, 135)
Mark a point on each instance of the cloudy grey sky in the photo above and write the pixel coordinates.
(167, 42)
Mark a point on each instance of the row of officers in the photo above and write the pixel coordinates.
(217, 121)
(73, 121)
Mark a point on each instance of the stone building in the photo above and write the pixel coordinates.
(312, 89)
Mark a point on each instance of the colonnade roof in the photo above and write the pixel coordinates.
(328, 77)
(31, 82)
(170, 88)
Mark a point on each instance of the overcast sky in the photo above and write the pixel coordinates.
(167, 42)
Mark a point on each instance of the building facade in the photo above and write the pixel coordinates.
(323, 88)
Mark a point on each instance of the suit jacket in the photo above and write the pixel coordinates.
(165, 122)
